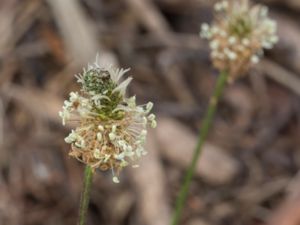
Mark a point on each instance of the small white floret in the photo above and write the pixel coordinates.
(153, 124)
(112, 136)
(116, 180)
(101, 128)
(99, 136)
(214, 44)
(232, 40)
(254, 59)
(97, 154)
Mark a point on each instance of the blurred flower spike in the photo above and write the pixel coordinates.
(238, 35)
(111, 128)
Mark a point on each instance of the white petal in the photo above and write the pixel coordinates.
(122, 86)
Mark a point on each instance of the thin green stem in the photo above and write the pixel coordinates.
(85, 195)
(221, 82)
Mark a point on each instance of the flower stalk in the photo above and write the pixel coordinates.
(221, 82)
(110, 128)
(85, 195)
(237, 38)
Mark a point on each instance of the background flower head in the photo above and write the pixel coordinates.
(238, 35)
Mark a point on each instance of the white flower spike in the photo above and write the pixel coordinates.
(111, 128)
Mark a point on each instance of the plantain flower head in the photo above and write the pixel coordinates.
(110, 128)
(239, 34)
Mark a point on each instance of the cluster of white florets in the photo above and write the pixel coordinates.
(238, 35)
(111, 129)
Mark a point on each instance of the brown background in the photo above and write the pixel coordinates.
(249, 171)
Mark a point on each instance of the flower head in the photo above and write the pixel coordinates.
(111, 128)
(238, 35)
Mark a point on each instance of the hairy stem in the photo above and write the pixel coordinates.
(221, 82)
(85, 195)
